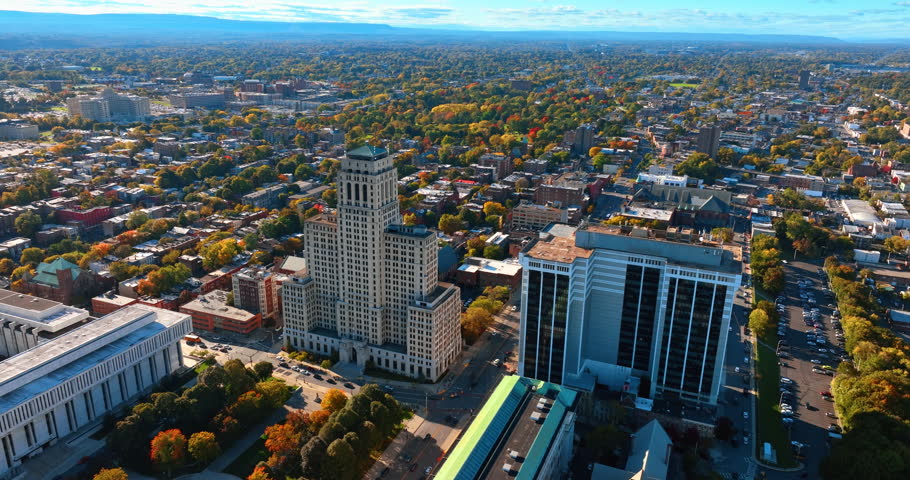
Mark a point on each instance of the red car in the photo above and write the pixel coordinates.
(827, 394)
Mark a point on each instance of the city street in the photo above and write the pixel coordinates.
(810, 420)
(445, 408)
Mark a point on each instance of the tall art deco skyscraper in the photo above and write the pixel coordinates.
(370, 292)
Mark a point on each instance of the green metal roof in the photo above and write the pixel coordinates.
(467, 459)
(46, 273)
(368, 152)
(538, 452)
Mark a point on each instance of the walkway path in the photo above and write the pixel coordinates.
(244, 442)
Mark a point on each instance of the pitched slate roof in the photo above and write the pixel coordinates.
(685, 198)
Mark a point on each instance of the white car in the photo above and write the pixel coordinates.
(785, 380)
(745, 439)
(746, 415)
(816, 361)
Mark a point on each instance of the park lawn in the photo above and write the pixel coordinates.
(768, 419)
(684, 85)
(203, 366)
(243, 465)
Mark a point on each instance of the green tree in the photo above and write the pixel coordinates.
(493, 252)
(312, 457)
(251, 241)
(722, 234)
(263, 369)
(137, 219)
(760, 323)
(341, 463)
(32, 256)
(330, 197)
(204, 447)
(27, 223)
(699, 165)
(450, 223)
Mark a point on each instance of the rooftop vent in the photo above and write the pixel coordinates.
(513, 454)
(507, 467)
(537, 417)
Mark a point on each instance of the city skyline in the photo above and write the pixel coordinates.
(880, 19)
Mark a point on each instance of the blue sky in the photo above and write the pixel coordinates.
(838, 18)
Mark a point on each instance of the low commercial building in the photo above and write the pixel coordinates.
(525, 430)
(110, 302)
(483, 272)
(528, 216)
(211, 312)
(17, 130)
(48, 393)
(26, 321)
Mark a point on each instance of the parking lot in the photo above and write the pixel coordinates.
(810, 349)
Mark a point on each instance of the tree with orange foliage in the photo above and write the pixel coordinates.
(259, 473)
(282, 438)
(318, 419)
(169, 449)
(334, 400)
(111, 474)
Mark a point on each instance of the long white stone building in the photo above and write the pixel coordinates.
(26, 321)
(51, 391)
(372, 293)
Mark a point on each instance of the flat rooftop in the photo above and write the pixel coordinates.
(558, 249)
(41, 313)
(582, 241)
(119, 300)
(214, 303)
(24, 301)
(486, 265)
(504, 425)
(43, 367)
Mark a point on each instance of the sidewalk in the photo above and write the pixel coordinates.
(244, 442)
(390, 455)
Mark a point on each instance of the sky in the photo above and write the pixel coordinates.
(836, 18)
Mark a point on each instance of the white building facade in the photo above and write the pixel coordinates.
(372, 295)
(26, 321)
(51, 391)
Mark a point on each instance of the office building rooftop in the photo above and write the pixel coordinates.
(516, 427)
(40, 368)
(566, 244)
(46, 315)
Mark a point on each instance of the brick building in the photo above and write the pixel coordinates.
(89, 217)
(210, 312)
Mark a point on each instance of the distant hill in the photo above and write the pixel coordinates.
(57, 30)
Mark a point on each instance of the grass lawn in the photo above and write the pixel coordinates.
(768, 419)
(684, 85)
(243, 465)
(202, 367)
